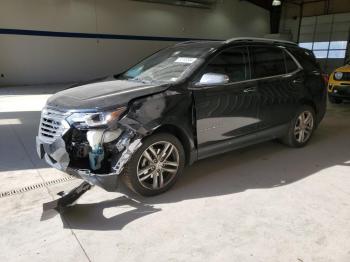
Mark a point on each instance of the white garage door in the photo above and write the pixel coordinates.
(328, 37)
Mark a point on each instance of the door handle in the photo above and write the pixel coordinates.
(250, 89)
(297, 81)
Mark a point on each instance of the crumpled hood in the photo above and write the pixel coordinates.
(102, 95)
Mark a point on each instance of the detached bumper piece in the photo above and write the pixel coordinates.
(67, 199)
(109, 182)
(55, 153)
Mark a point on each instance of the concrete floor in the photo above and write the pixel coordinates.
(263, 203)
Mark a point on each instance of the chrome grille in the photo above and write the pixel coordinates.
(52, 124)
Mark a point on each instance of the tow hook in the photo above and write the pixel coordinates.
(67, 199)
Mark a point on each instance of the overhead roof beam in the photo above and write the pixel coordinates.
(207, 4)
(275, 13)
(266, 4)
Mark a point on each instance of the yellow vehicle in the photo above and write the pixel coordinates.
(339, 84)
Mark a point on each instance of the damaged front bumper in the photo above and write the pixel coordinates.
(98, 157)
(55, 155)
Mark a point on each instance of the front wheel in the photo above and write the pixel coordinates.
(155, 166)
(300, 128)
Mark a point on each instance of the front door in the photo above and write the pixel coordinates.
(225, 111)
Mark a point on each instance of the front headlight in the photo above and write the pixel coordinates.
(85, 120)
(338, 75)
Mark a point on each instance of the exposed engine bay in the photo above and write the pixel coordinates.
(97, 155)
(105, 152)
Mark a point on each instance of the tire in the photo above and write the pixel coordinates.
(140, 173)
(334, 100)
(292, 138)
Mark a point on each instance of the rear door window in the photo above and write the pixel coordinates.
(267, 61)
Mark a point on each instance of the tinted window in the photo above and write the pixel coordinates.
(305, 58)
(290, 64)
(231, 62)
(267, 61)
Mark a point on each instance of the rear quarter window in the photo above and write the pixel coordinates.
(306, 59)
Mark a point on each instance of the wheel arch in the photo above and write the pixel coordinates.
(319, 114)
(180, 134)
(309, 102)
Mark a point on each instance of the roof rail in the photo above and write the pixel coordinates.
(187, 42)
(197, 41)
(266, 40)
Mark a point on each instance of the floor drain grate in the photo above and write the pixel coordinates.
(35, 186)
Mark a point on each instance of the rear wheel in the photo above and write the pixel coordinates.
(156, 165)
(300, 128)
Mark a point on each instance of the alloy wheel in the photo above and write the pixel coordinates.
(304, 127)
(158, 165)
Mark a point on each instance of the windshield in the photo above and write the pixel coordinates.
(168, 65)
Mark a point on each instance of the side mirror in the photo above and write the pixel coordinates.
(213, 79)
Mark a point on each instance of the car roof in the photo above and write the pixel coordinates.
(246, 40)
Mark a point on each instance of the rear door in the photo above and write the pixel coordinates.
(280, 83)
(314, 83)
(225, 111)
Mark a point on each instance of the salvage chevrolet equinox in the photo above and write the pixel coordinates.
(187, 102)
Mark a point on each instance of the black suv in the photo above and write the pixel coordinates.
(186, 102)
